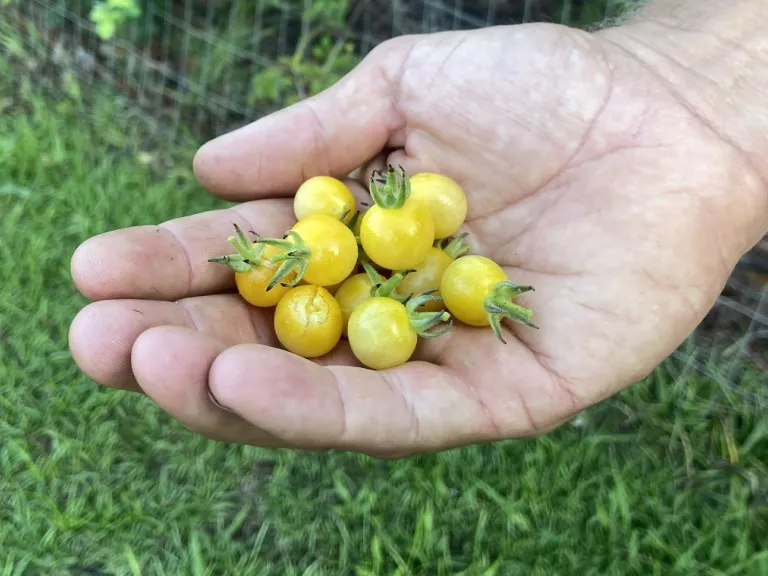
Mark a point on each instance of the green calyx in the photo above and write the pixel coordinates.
(390, 188)
(248, 256)
(498, 304)
(454, 247)
(294, 256)
(424, 322)
(385, 287)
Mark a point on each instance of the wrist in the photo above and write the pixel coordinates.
(713, 59)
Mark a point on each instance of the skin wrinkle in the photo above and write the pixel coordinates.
(561, 383)
(341, 391)
(319, 144)
(677, 97)
(441, 359)
(171, 227)
(397, 389)
(562, 170)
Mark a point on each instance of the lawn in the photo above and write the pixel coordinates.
(669, 477)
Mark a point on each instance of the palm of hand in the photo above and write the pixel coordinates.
(574, 162)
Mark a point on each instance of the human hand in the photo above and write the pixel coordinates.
(586, 177)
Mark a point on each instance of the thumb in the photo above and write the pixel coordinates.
(331, 133)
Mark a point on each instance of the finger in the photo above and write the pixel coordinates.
(415, 407)
(411, 164)
(331, 133)
(360, 192)
(103, 333)
(170, 261)
(171, 365)
(378, 162)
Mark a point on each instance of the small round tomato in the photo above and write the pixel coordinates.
(319, 249)
(477, 291)
(383, 332)
(355, 289)
(324, 195)
(366, 285)
(444, 198)
(380, 333)
(426, 276)
(254, 270)
(308, 321)
(252, 284)
(396, 232)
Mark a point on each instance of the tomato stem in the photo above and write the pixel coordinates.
(390, 188)
(248, 257)
(385, 287)
(454, 247)
(423, 322)
(498, 304)
(295, 256)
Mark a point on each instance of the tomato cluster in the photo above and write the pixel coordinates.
(381, 278)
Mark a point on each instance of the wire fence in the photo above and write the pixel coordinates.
(203, 67)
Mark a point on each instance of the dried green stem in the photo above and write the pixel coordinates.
(498, 304)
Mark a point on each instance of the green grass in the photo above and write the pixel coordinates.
(658, 480)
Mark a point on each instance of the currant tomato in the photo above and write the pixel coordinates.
(324, 195)
(383, 332)
(319, 249)
(444, 198)
(254, 270)
(308, 321)
(427, 275)
(477, 291)
(396, 233)
(252, 285)
(366, 285)
(355, 289)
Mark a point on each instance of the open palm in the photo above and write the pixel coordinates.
(579, 170)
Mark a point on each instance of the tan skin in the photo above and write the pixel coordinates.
(587, 176)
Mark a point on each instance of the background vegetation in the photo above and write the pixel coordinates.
(668, 477)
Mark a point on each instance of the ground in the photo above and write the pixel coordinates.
(669, 477)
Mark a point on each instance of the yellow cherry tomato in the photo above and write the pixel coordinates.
(352, 292)
(308, 321)
(426, 276)
(444, 198)
(324, 195)
(330, 250)
(252, 284)
(397, 238)
(380, 333)
(466, 283)
(477, 291)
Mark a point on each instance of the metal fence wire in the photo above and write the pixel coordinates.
(203, 67)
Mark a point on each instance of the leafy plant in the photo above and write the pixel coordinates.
(107, 15)
(321, 57)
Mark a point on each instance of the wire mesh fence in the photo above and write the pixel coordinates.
(215, 64)
(202, 67)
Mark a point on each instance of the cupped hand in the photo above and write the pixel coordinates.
(585, 176)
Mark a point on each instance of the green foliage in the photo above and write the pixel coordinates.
(107, 15)
(294, 78)
(321, 57)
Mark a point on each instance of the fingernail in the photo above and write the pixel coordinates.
(217, 403)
